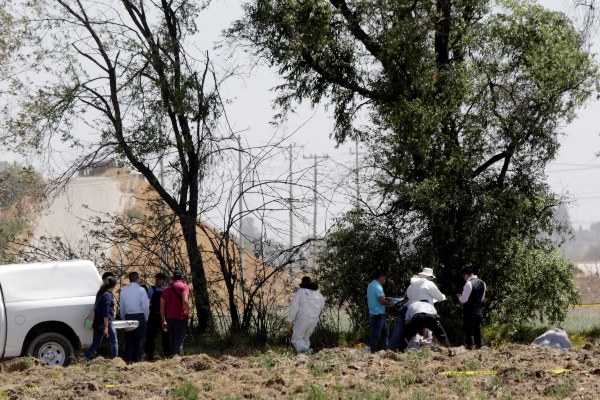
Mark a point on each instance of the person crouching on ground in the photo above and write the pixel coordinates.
(305, 309)
(421, 288)
(377, 303)
(104, 311)
(419, 315)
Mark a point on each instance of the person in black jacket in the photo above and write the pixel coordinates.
(104, 312)
(154, 326)
(472, 298)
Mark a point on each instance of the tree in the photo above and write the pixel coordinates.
(357, 244)
(125, 85)
(464, 100)
(21, 195)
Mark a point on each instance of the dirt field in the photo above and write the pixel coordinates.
(516, 371)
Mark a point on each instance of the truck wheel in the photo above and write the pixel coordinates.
(53, 349)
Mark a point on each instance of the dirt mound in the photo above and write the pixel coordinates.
(515, 371)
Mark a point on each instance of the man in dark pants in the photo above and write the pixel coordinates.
(472, 298)
(397, 334)
(420, 315)
(175, 312)
(133, 305)
(377, 303)
(154, 326)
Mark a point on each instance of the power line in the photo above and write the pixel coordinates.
(314, 244)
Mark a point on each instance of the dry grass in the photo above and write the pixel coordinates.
(340, 373)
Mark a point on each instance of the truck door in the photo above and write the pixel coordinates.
(2, 323)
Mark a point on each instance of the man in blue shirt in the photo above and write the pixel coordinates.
(134, 305)
(377, 304)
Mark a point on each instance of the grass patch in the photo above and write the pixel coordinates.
(462, 385)
(365, 394)
(268, 360)
(561, 389)
(416, 358)
(498, 335)
(472, 365)
(317, 393)
(402, 381)
(186, 391)
(316, 370)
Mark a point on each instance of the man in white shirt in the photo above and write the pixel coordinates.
(472, 298)
(422, 288)
(134, 305)
(420, 315)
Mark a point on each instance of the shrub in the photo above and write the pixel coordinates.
(186, 391)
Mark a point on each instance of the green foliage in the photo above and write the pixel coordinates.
(186, 391)
(21, 190)
(355, 247)
(326, 334)
(462, 385)
(464, 101)
(317, 393)
(134, 213)
(499, 334)
(471, 365)
(542, 289)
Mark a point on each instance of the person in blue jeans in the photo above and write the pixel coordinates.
(103, 317)
(377, 303)
(397, 334)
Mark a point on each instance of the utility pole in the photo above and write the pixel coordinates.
(314, 243)
(241, 210)
(291, 199)
(165, 250)
(357, 175)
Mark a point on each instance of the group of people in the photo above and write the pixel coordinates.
(417, 316)
(159, 309)
(419, 313)
(164, 309)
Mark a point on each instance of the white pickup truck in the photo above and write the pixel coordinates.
(43, 308)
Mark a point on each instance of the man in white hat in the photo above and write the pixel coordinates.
(422, 288)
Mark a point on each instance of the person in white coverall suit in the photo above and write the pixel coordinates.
(304, 313)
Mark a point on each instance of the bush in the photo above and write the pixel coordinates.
(357, 246)
(186, 391)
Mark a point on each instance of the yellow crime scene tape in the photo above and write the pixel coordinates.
(450, 373)
(586, 305)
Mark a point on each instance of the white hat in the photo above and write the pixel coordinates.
(427, 272)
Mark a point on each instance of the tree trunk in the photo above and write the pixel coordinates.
(200, 285)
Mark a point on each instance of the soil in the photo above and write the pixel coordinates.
(514, 371)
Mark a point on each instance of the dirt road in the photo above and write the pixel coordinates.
(515, 371)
